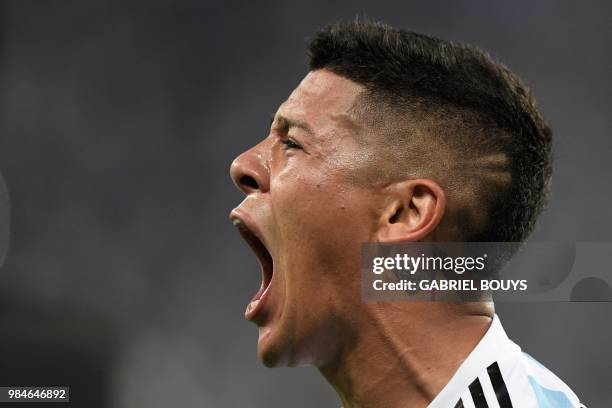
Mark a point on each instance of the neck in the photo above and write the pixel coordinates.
(405, 353)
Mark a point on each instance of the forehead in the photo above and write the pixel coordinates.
(322, 95)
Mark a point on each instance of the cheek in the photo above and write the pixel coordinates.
(307, 207)
(321, 227)
(306, 199)
(320, 217)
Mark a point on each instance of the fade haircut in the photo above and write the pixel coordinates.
(463, 102)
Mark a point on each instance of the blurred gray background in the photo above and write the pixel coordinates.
(118, 121)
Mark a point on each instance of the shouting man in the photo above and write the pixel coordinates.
(393, 137)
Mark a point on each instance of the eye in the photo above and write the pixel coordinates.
(290, 144)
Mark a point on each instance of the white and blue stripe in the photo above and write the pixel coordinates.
(497, 374)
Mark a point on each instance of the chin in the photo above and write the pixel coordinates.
(269, 358)
(278, 346)
(271, 349)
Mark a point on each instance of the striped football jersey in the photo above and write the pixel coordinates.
(497, 374)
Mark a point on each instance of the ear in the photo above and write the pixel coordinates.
(413, 211)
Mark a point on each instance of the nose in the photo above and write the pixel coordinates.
(249, 171)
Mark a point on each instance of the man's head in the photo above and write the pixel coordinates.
(392, 136)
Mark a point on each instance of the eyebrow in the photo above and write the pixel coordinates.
(287, 123)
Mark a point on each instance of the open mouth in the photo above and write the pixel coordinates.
(263, 256)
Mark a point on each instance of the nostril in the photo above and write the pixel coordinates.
(249, 181)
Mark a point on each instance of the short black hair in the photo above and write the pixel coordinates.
(403, 68)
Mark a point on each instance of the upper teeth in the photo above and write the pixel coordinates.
(236, 222)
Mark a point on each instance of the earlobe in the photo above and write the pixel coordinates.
(414, 210)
